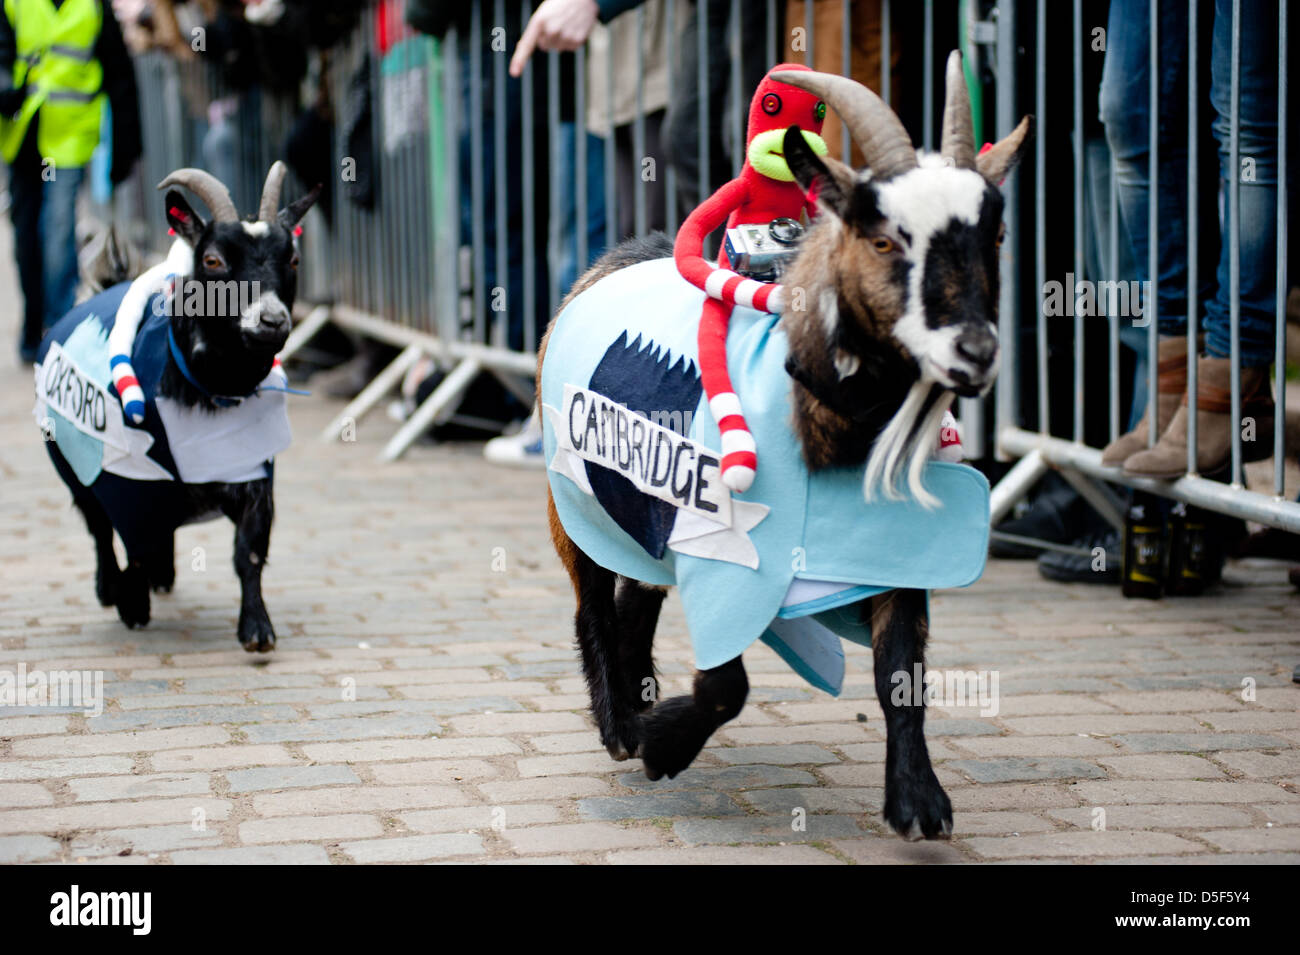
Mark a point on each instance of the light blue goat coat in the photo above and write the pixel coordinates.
(797, 552)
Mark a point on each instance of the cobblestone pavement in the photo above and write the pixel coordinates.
(426, 704)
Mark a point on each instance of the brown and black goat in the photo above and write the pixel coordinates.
(893, 312)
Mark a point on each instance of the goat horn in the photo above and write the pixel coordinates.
(872, 124)
(271, 192)
(958, 143)
(208, 188)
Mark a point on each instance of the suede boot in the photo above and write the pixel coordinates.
(1214, 426)
(1171, 386)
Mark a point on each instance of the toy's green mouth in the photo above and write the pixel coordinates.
(767, 153)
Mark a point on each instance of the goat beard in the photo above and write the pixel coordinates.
(905, 444)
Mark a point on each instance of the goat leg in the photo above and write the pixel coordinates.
(638, 607)
(674, 732)
(915, 804)
(107, 573)
(133, 593)
(160, 564)
(252, 509)
(598, 632)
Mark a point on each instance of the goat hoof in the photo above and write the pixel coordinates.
(918, 808)
(132, 598)
(626, 741)
(162, 577)
(671, 737)
(106, 589)
(617, 752)
(263, 644)
(256, 636)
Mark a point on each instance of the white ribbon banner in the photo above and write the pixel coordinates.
(658, 461)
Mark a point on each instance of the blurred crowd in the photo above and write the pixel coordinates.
(68, 95)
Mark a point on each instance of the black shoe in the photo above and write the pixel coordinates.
(1058, 515)
(1270, 542)
(1089, 568)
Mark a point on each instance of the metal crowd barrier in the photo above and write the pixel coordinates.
(453, 212)
(1041, 449)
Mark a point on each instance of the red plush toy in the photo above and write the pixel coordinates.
(765, 190)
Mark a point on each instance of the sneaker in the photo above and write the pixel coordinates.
(1085, 568)
(520, 450)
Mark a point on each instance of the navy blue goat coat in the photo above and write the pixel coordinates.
(143, 475)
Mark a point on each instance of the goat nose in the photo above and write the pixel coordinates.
(977, 349)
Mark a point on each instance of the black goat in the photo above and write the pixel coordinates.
(182, 424)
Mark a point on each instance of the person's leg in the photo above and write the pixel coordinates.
(630, 173)
(25, 193)
(1257, 178)
(1125, 111)
(681, 130)
(59, 239)
(1125, 105)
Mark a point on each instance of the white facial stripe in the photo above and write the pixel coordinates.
(924, 201)
(257, 229)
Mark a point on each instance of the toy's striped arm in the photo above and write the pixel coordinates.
(121, 339)
(732, 288)
(720, 283)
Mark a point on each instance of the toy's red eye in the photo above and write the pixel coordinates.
(771, 104)
(819, 112)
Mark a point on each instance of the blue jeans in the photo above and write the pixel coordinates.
(44, 214)
(559, 260)
(1125, 111)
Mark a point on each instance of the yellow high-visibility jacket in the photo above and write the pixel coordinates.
(56, 60)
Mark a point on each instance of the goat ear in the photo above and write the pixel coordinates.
(182, 218)
(996, 162)
(829, 181)
(292, 214)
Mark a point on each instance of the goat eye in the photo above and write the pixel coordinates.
(293, 263)
(883, 244)
(211, 261)
(1002, 234)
